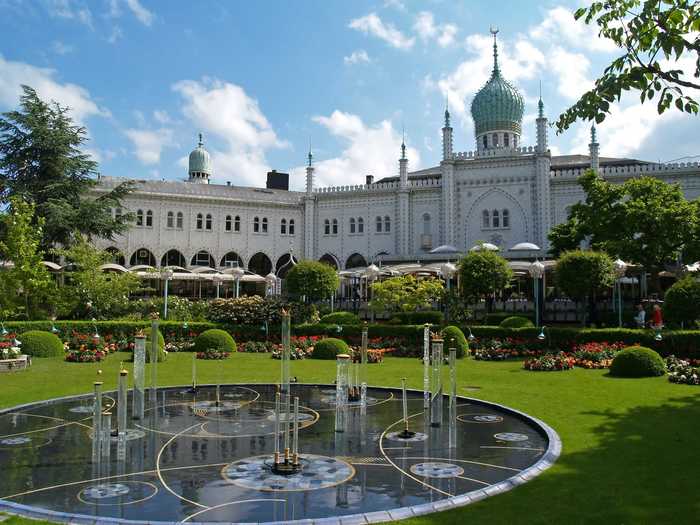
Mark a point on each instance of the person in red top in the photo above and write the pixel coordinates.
(656, 320)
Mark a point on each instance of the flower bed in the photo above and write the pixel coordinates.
(550, 363)
(684, 372)
(213, 355)
(596, 355)
(508, 348)
(83, 348)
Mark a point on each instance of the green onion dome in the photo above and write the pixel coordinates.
(498, 106)
(200, 160)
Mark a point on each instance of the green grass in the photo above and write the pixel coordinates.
(630, 445)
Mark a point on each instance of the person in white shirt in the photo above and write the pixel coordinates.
(641, 316)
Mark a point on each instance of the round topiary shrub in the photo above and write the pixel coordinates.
(161, 345)
(214, 341)
(637, 361)
(516, 322)
(682, 302)
(453, 333)
(329, 348)
(340, 318)
(38, 343)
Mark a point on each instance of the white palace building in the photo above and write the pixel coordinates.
(503, 192)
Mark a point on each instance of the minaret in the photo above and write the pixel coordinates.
(310, 174)
(447, 136)
(403, 166)
(404, 221)
(541, 127)
(543, 161)
(593, 150)
(309, 210)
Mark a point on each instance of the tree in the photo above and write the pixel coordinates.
(405, 293)
(644, 221)
(313, 280)
(91, 291)
(41, 161)
(26, 284)
(653, 35)
(582, 274)
(483, 273)
(682, 302)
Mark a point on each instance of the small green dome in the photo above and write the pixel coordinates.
(498, 105)
(200, 160)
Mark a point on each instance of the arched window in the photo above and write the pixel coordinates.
(117, 213)
(506, 218)
(494, 140)
(485, 219)
(291, 226)
(485, 141)
(228, 224)
(360, 225)
(170, 220)
(495, 222)
(352, 224)
(180, 221)
(427, 229)
(200, 221)
(283, 227)
(379, 224)
(264, 225)
(335, 226)
(506, 140)
(237, 223)
(149, 219)
(515, 141)
(387, 224)
(256, 225)
(327, 227)
(208, 222)
(139, 217)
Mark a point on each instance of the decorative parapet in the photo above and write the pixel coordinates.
(633, 169)
(491, 153)
(381, 186)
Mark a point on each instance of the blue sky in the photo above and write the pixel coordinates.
(262, 79)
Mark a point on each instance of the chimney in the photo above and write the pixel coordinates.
(369, 179)
(228, 183)
(277, 180)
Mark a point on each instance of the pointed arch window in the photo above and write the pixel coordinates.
(264, 225)
(506, 140)
(379, 224)
(352, 224)
(485, 141)
(494, 140)
(200, 221)
(506, 218)
(170, 220)
(485, 219)
(327, 227)
(335, 226)
(208, 222)
(387, 224)
(228, 223)
(495, 219)
(149, 219)
(427, 229)
(291, 226)
(139, 217)
(283, 226)
(179, 224)
(237, 223)
(360, 225)
(256, 225)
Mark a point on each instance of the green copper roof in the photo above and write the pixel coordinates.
(498, 105)
(200, 161)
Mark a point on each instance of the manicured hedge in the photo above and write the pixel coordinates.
(516, 322)
(340, 318)
(38, 343)
(495, 318)
(637, 361)
(329, 348)
(430, 316)
(161, 345)
(453, 333)
(214, 340)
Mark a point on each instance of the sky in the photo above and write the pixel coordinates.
(265, 80)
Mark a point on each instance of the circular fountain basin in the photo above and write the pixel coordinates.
(191, 460)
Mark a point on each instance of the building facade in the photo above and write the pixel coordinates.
(501, 192)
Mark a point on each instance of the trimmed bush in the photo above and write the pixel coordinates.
(495, 319)
(516, 322)
(214, 340)
(37, 343)
(340, 318)
(682, 302)
(161, 345)
(450, 333)
(637, 361)
(429, 316)
(329, 348)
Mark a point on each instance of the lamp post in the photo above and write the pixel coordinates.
(536, 270)
(167, 276)
(238, 274)
(448, 270)
(620, 269)
(372, 272)
(271, 282)
(218, 279)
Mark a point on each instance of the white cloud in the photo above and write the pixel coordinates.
(396, 4)
(61, 48)
(77, 98)
(162, 116)
(371, 24)
(141, 13)
(369, 149)
(72, 10)
(148, 144)
(115, 35)
(356, 57)
(560, 26)
(427, 30)
(571, 69)
(225, 111)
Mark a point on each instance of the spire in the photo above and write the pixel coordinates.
(403, 146)
(496, 71)
(447, 111)
(201, 141)
(540, 104)
(593, 135)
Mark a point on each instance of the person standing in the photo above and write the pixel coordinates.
(657, 320)
(641, 317)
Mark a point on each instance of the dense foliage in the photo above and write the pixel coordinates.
(453, 337)
(41, 161)
(653, 37)
(516, 322)
(582, 274)
(329, 348)
(315, 281)
(682, 302)
(405, 293)
(340, 318)
(637, 361)
(255, 310)
(214, 341)
(428, 316)
(37, 343)
(482, 273)
(149, 348)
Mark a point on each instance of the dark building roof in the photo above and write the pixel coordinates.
(584, 161)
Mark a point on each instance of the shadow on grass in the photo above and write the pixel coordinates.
(639, 466)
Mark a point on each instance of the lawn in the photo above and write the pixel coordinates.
(630, 445)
